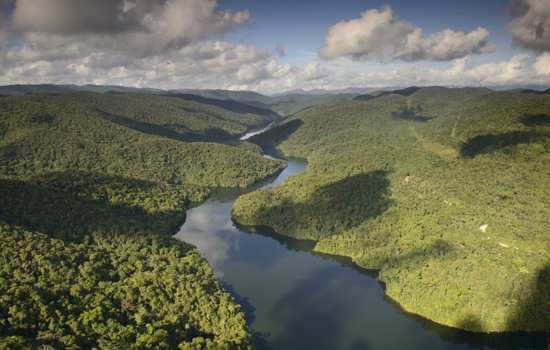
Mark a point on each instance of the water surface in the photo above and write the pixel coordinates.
(255, 132)
(294, 299)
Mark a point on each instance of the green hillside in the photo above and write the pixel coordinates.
(445, 191)
(293, 103)
(285, 104)
(241, 102)
(91, 188)
(24, 89)
(249, 97)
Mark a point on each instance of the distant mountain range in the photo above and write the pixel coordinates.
(221, 94)
(285, 103)
(346, 91)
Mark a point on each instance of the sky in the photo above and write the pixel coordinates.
(275, 46)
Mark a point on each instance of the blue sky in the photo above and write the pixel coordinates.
(232, 44)
(300, 26)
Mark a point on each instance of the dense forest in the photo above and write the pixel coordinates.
(445, 191)
(266, 106)
(92, 185)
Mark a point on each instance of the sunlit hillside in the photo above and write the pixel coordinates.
(445, 191)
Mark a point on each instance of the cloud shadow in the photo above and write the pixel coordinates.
(230, 105)
(70, 205)
(411, 114)
(335, 207)
(269, 139)
(176, 132)
(533, 120)
(490, 143)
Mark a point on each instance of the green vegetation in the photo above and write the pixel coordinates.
(285, 104)
(111, 292)
(293, 103)
(453, 208)
(135, 136)
(91, 188)
(252, 102)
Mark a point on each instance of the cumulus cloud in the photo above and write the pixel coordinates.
(158, 43)
(380, 35)
(136, 27)
(204, 64)
(314, 71)
(72, 17)
(512, 71)
(219, 64)
(165, 44)
(542, 64)
(519, 70)
(530, 25)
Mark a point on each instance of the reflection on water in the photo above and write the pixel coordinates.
(211, 218)
(294, 299)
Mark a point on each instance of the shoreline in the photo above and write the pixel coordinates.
(375, 273)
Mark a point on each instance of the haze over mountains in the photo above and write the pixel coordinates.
(283, 103)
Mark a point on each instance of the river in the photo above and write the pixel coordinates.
(295, 299)
(255, 132)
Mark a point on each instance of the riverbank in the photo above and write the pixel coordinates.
(294, 298)
(434, 227)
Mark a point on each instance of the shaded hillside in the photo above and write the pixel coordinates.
(22, 89)
(241, 102)
(403, 92)
(460, 233)
(16, 90)
(269, 139)
(293, 103)
(91, 188)
(125, 135)
(531, 91)
(430, 95)
(249, 97)
(284, 104)
(231, 105)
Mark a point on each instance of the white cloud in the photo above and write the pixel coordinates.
(175, 55)
(530, 25)
(205, 64)
(542, 64)
(133, 27)
(515, 71)
(217, 64)
(314, 71)
(380, 35)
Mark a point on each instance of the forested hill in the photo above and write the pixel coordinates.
(92, 185)
(25, 89)
(437, 93)
(445, 191)
(244, 101)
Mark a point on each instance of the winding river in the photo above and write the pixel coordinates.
(295, 299)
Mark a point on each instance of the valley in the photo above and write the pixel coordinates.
(274, 175)
(419, 195)
(448, 233)
(92, 185)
